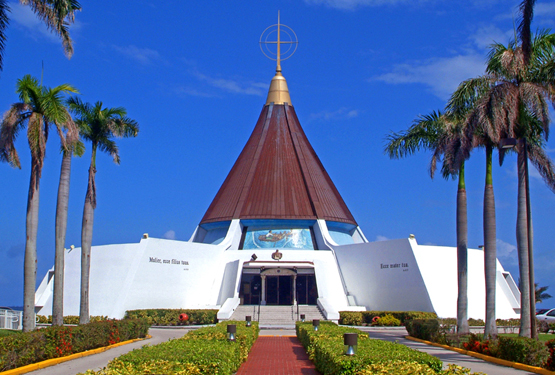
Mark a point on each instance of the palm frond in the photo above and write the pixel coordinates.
(543, 164)
(12, 123)
(4, 21)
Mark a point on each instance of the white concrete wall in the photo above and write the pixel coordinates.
(438, 265)
(370, 276)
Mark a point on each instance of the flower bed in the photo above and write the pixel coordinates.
(203, 351)
(53, 342)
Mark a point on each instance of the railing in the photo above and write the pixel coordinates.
(10, 319)
(259, 310)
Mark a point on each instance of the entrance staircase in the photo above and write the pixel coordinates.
(277, 315)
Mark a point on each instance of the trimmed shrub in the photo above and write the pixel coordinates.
(357, 318)
(387, 320)
(204, 351)
(52, 342)
(550, 363)
(522, 350)
(413, 368)
(425, 329)
(325, 348)
(170, 317)
(70, 319)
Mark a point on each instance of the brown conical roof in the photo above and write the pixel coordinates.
(278, 176)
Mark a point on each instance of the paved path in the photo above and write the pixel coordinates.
(98, 361)
(446, 356)
(277, 355)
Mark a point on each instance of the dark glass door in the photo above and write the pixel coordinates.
(251, 287)
(307, 291)
(279, 290)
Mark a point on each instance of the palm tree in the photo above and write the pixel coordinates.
(541, 294)
(434, 132)
(512, 103)
(40, 107)
(99, 126)
(56, 14)
(60, 231)
(527, 11)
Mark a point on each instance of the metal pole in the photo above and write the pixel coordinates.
(530, 247)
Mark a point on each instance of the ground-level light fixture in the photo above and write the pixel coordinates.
(248, 318)
(316, 324)
(231, 332)
(302, 318)
(350, 342)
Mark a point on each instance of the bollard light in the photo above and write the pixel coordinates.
(248, 319)
(231, 332)
(350, 342)
(302, 318)
(316, 323)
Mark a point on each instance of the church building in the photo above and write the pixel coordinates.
(277, 232)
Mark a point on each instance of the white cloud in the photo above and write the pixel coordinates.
(340, 114)
(381, 238)
(26, 18)
(234, 86)
(352, 4)
(487, 35)
(544, 9)
(145, 56)
(169, 235)
(507, 253)
(441, 75)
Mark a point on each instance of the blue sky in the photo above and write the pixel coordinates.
(194, 78)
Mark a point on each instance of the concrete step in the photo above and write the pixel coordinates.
(277, 315)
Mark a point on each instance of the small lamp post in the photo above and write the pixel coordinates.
(302, 318)
(231, 332)
(315, 324)
(248, 318)
(350, 342)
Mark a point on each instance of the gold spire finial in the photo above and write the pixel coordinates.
(278, 93)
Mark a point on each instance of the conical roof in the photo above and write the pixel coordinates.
(278, 176)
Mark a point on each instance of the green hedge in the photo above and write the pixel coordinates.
(170, 317)
(52, 342)
(425, 329)
(70, 319)
(325, 348)
(358, 318)
(203, 351)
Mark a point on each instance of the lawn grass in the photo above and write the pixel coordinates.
(542, 336)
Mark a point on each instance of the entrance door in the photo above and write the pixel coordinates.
(307, 291)
(279, 290)
(250, 289)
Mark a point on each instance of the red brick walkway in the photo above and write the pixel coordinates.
(277, 355)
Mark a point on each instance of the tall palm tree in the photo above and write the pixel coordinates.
(512, 103)
(40, 108)
(524, 32)
(61, 228)
(463, 102)
(434, 132)
(56, 15)
(99, 126)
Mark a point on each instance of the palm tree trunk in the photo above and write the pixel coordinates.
(490, 247)
(462, 256)
(61, 228)
(86, 242)
(30, 261)
(522, 246)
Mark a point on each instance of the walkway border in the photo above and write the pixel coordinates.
(487, 358)
(54, 361)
